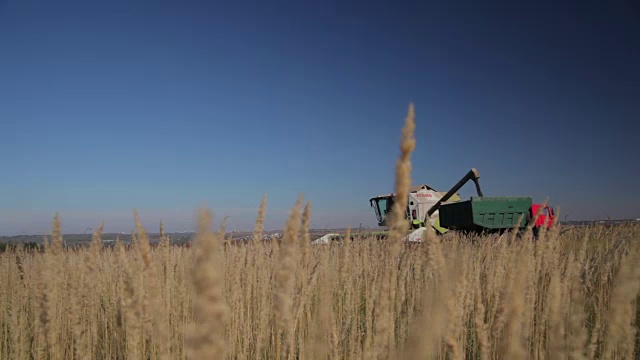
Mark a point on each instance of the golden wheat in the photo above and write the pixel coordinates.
(458, 297)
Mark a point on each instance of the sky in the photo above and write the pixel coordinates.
(166, 106)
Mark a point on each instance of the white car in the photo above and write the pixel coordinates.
(326, 239)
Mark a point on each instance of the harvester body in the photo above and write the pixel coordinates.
(421, 199)
(446, 211)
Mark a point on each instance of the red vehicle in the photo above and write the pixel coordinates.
(547, 212)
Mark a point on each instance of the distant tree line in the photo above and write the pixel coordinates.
(28, 246)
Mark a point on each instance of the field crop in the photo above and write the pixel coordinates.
(569, 293)
(564, 295)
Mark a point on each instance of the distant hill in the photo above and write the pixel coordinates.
(72, 239)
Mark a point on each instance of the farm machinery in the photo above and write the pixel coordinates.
(446, 211)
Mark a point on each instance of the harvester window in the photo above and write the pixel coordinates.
(380, 206)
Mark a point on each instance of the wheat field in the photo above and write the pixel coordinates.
(570, 293)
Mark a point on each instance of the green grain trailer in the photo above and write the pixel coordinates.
(486, 214)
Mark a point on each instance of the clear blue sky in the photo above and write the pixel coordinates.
(106, 106)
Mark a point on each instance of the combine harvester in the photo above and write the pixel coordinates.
(446, 211)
